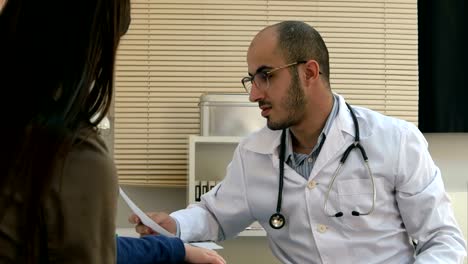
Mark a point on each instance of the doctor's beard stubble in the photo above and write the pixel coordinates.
(294, 103)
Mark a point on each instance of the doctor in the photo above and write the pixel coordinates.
(383, 203)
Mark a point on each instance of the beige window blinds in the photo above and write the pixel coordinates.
(176, 50)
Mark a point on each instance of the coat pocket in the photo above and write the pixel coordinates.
(357, 195)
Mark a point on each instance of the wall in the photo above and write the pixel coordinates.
(450, 152)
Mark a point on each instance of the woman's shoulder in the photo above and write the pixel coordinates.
(89, 141)
(88, 163)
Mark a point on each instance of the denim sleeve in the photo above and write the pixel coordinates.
(150, 249)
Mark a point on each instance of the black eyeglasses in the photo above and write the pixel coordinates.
(261, 78)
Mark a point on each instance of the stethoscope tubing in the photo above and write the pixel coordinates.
(277, 220)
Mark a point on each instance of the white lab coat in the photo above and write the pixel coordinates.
(411, 200)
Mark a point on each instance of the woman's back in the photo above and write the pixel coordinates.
(78, 213)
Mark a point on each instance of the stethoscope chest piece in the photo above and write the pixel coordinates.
(277, 221)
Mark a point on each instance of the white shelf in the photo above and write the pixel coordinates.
(208, 159)
(214, 139)
(208, 155)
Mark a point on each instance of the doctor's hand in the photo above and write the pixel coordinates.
(162, 219)
(202, 255)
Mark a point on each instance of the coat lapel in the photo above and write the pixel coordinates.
(339, 137)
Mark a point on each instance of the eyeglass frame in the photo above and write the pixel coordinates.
(267, 75)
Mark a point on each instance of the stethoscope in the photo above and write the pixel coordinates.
(277, 220)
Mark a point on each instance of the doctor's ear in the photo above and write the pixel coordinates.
(312, 69)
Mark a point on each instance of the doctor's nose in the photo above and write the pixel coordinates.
(256, 93)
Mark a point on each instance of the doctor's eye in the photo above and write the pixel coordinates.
(261, 78)
(265, 75)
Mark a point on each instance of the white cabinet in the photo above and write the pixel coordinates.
(208, 159)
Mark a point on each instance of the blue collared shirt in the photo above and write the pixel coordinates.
(304, 163)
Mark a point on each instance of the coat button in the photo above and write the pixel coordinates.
(322, 228)
(312, 184)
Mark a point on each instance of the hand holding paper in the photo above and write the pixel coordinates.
(143, 217)
(147, 221)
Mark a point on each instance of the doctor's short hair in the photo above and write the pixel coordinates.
(299, 41)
